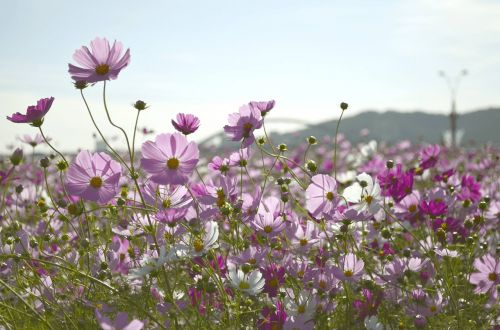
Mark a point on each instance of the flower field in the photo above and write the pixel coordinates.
(329, 235)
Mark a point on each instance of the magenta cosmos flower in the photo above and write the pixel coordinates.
(34, 113)
(170, 159)
(242, 124)
(104, 62)
(321, 196)
(186, 123)
(94, 177)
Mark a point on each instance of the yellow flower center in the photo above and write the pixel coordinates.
(166, 203)
(301, 309)
(96, 182)
(268, 229)
(173, 163)
(329, 196)
(348, 273)
(433, 308)
(412, 208)
(492, 277)
(303, 242)
(368, 199)
(198, 245)
(247, 127)
(273, 283)
(244, 285)
(102, 69)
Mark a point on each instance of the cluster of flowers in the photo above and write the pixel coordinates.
(329, 235)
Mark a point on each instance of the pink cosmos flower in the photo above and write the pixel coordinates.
(104, 62)
(268, 224)
(321, 195)
(351, 268)
(186, 123)
(166, 197)
(94, 177)
(170, 159)
(264, 106)
(242, 124)
(34, 113)
(120, 323)
(488, 276)
(33, 140)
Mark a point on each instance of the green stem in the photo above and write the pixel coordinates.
(117, 155)
(25, 303)
(133, 137)
(335, 147)
(50, 145)
(111, 121)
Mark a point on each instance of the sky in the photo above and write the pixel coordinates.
(210, 57)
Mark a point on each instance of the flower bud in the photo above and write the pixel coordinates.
(16, 157)
(140, 105)
(311, 166)
(312, 140)
(282, 147)
(19, 189)
(344, 106)
(44, 162)
(389, 164)
(62, 165)
(80, 84)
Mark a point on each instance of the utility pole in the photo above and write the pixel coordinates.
(453, 83)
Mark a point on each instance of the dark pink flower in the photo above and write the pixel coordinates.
(396, 183)
(242, 124)
(34, 113)
(470, 189)
(94, 177)
(170, 159)
(433, 207)
(104, 62)
(274, 276)
(186, 123)
(274, 318)
(368, 306)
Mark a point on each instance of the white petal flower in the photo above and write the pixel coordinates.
(251, 283)
(372, 323)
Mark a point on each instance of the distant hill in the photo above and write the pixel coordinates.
(479, 127)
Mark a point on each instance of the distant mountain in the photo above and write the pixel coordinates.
(479, 127)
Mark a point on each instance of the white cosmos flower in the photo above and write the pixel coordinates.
(303, 304)
(372, 323)
(149, 264)
(199, 246)
(251, 283)
(364, 193)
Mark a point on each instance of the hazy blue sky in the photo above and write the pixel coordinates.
(209, 57)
